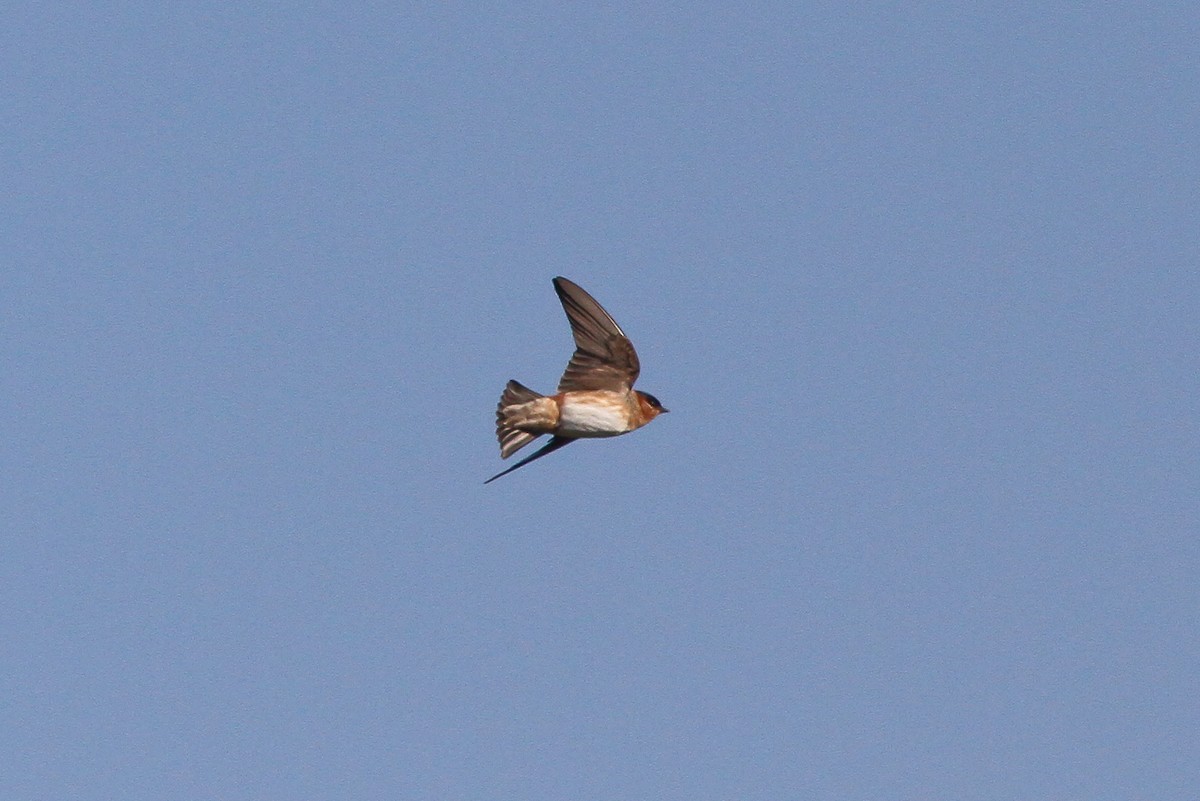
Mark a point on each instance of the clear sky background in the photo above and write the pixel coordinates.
(918, 283)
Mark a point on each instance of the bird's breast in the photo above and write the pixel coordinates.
(595, 413)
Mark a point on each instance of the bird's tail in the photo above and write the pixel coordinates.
(522, 416)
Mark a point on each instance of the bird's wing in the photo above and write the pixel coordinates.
(550, 447)
(604, 357)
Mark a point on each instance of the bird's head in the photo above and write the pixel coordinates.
(650, 406)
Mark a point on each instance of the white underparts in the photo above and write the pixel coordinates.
(589, 419)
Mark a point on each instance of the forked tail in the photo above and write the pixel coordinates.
(517, 408)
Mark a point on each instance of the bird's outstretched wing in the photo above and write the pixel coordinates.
(550, 447)
(604, 357)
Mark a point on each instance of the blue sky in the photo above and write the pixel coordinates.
(919, 286)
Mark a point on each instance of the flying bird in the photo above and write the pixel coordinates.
(595, 396)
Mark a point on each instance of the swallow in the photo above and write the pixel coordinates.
(595, 396)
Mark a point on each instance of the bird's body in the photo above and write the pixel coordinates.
(599, 413)
(595, 397)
